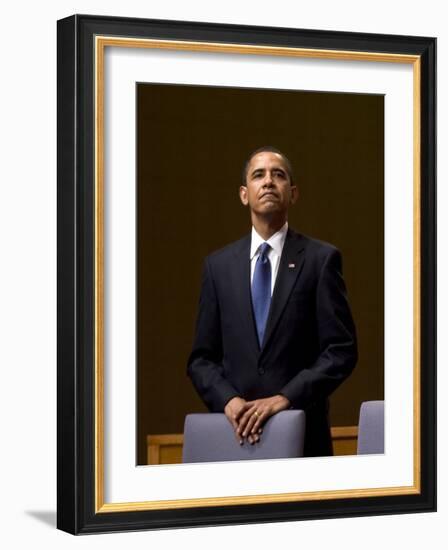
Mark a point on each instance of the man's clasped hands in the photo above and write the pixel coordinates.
(248, 417)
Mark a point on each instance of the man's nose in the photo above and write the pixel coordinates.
(268, 180)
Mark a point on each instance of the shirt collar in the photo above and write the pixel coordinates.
(276, 241)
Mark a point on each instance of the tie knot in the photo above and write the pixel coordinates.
(264, 249)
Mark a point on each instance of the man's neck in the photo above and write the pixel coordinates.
(267, 227)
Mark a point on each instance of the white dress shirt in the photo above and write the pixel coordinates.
(276, 243)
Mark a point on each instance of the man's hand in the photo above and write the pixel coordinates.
(233, 410)
(255, 414)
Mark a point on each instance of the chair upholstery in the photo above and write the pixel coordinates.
(210, 437)
(371, 428)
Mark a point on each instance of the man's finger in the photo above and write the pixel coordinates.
(237, 435)
(241, 411)
(233, 424)
(235, 429)
(253, 418)
(253, 438)
(232, 419)
(261, 419)
(244, 420)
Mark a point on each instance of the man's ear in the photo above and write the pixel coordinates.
(294, 194)
(243, 195)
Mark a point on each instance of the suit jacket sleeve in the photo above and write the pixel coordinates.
(336, 336)
(205, 361)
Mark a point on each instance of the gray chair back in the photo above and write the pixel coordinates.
(371, 428)
(210, 437)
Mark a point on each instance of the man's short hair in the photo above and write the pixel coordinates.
(268, 149)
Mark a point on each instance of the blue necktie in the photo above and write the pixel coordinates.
(261, 290)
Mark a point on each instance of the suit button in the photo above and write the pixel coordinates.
(261, 370)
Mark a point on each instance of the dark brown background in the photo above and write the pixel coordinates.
(192, 143)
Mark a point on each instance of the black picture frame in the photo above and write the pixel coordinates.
(79, 508)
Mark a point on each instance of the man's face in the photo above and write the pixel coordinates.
(268, 187)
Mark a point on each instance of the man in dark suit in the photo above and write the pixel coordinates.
(274, 328)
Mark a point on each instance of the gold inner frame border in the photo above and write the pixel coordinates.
(100, 44)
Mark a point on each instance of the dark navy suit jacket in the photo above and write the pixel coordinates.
(309, 346)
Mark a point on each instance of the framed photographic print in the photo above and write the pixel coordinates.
(176, 139)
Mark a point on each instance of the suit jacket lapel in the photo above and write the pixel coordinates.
(243, 293)
(291, 263)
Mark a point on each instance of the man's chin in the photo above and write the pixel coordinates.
(269, 207)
